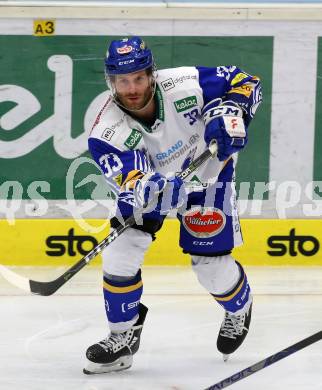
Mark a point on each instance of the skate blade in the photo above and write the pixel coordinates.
(225, 357)
(120, 364)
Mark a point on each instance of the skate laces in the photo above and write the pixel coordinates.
(232, 325)
(115, 341)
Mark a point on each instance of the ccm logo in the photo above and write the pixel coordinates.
(61, 244)
(293, 244)
(202, 243)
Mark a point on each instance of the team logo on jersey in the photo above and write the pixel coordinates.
(204, 222)
(167, 84)
(185, 104)
(108, 134)
(239, 77)
(133, 139)
(118, 179)
(128, 183)
(245, 89)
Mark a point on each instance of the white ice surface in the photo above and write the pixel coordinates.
(43, 339)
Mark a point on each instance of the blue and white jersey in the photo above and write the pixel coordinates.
(124, 147)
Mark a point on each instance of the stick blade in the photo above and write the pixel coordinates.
(45, 288)
(17, 280)
(31, 286)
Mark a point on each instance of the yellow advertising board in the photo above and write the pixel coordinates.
(274, 242)
(57, 242)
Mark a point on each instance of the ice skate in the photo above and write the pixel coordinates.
(115, 353)
(233, 332)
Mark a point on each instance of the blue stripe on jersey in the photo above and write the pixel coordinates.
(217, 83)
(212, 86)
(116, 165)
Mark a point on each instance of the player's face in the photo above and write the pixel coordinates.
(133, 89)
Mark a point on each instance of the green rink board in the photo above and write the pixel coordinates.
(25, 65)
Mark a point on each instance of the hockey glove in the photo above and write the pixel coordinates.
(224, 124)
(148, 189)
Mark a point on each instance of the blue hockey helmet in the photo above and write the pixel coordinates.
(128, 55)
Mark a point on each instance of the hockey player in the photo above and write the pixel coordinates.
(154, 124)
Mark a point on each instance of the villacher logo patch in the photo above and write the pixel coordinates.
(204, 222)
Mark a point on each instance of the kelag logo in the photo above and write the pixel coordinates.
(293, 244)
(61, 244)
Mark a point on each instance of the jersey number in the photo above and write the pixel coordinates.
(110, 163)
(192, 116)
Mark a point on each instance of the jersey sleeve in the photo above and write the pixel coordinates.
(230, 83)
(120, 168)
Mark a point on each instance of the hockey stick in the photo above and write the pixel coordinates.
(266, 362)
(49, 288)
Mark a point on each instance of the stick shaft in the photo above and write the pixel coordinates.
(49, 288)
(266, 362)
